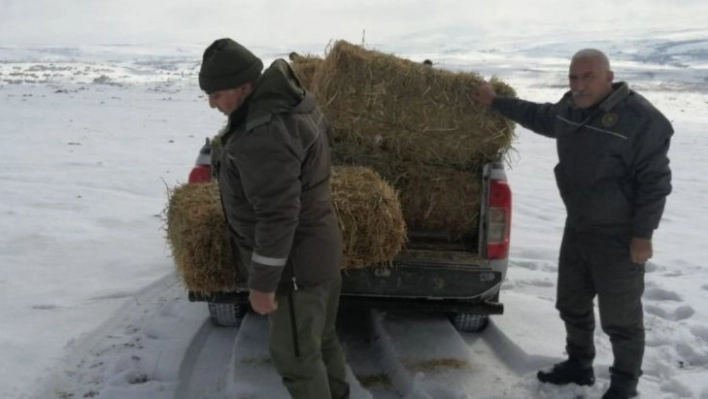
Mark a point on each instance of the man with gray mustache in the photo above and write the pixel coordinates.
(613, 176)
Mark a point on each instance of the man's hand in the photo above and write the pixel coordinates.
(262, 302)
(484, 93)
(640, 250)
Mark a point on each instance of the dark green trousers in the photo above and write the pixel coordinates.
(304, 345)
(600, 264)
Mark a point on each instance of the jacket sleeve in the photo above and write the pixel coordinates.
(652, 176)
(269, 164)
(540, 118)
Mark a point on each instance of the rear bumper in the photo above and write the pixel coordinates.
(480, 307)
(238, 297)
(442, 285)
(428, 305)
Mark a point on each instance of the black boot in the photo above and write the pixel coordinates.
(568, 372)
(622, 385)
(619, 393)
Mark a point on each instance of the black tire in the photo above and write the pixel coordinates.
(468, 322)
(226, 314)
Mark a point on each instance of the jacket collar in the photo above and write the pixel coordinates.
(236, 118)
(620, 91)
(239, 115)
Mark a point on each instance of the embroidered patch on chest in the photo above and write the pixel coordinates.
(609, 120)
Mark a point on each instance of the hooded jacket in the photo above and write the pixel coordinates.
(273, 173)
(613, 172)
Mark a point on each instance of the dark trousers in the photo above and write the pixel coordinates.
(600, 264)
(309, 359)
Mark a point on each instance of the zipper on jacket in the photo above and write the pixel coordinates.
(293, 324)
(293, 320)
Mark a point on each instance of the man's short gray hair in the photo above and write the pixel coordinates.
(592, 54)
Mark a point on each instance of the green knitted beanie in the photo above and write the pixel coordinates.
(228, 65)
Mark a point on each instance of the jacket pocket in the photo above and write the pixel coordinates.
(609, 204)
(562, 183)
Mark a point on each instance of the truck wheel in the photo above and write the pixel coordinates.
(468, 322)
(227, 314)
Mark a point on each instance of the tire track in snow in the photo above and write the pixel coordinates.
(203, 371)
(161, 346)
(428, 358)
(235, 363)
(135, 353)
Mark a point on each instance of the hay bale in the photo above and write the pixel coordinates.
(368, 210)
(414, 112)
(305, 67)
(439, 200)
(197, 236)
(434, 199)
(504, 90)
(370, 217)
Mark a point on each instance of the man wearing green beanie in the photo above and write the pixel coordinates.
(273, 174)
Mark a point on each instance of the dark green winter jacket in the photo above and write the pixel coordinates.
(613, 171)
(274, 174)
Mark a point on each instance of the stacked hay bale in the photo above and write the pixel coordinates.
(433, 198)
(370, 217)
(368, 209)
(197, 236)
(418, 127)
(305, 67)
(412, 125)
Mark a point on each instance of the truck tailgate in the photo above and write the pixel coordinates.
(425, 274)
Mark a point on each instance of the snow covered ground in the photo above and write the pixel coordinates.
(93, 136)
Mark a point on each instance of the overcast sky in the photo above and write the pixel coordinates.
(282, 22)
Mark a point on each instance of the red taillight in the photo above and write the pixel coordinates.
(200, 174)
(499, 220)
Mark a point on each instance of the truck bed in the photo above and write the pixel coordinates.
(451, 277)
